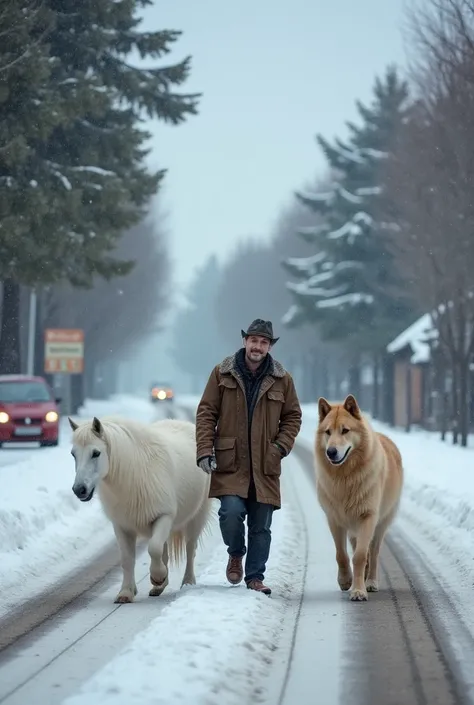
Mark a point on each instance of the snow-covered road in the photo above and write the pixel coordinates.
(214, 644)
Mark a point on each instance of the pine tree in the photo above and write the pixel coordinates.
(350, 286)
(28, 113)
(72, 149)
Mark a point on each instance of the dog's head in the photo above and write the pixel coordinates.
(340, 429)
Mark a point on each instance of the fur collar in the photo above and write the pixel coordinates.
(228, 365)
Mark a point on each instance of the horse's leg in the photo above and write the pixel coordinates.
(156, 591)
(156, 547)
(193, 531)
(189, 578)
(127, 544)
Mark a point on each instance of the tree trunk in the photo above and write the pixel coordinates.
(77, 393)
(322, 366)
(354, 380)
(388, 391)
(375, 387)
(10, 359)
(408, 399)
(39, 339)
(464, 400)
(455, 401)
(89, 377)
(440, 387)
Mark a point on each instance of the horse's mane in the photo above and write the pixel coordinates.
(137, 452)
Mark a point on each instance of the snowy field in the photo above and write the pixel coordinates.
(206, 641)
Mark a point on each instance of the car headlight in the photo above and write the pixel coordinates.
(51, 416)
(161, 394)
(4, 418)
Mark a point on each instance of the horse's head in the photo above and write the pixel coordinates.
(89, 450)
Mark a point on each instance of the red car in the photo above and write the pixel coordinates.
(28, 410)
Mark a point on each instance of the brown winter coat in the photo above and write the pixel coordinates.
(222, 428)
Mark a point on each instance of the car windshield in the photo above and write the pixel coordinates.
(161, 385)
(11, 392)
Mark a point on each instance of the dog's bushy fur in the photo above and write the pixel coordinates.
(359, 477)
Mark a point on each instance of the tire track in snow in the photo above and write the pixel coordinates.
(397, 648)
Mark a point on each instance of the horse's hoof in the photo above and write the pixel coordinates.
(123, 600)
(158, 587)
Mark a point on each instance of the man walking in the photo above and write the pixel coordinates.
(247, 420)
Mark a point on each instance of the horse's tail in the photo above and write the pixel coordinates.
(210, 518)
(176, 547)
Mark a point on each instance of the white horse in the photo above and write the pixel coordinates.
(149, 485)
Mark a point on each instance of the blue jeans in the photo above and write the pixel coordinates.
(232, 514)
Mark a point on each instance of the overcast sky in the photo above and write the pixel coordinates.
(273, 73)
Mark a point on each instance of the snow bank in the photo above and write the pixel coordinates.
(205, 646)
(44, 530)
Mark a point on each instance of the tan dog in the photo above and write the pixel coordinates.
(359, 482)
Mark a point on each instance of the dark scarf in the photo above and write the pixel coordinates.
(252, 380)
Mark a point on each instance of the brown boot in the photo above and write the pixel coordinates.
(258, 586)
(234, 570)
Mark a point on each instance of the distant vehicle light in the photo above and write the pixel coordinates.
(51, 417)
(4, 418)
(162, 392)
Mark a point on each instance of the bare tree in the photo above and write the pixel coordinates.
(430, 178)
(119, 314)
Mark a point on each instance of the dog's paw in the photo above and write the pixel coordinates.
(358, 596)
(372, 585)
(345, 581)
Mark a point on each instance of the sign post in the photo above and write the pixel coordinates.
(64, 351)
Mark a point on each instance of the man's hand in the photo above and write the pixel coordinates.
(280, 448)
(207, 463)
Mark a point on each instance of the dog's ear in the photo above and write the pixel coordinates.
(72, 423)
(324, 407)
(351, 406)
(97, 427)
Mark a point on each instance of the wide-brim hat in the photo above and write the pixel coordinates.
(260, 327)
